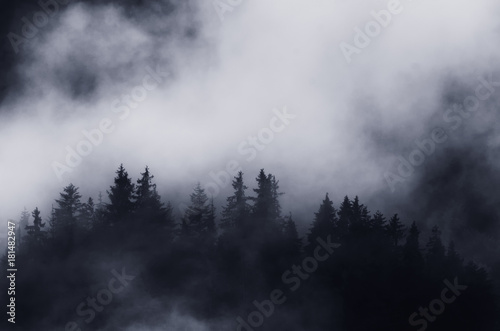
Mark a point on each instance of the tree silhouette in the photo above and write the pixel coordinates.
(435, 254)
(64, 222)
(149, 205)
(324, 223)
(236, 212)
(88, 214)
(120, 196)
(412, 255)
(23, 222)
(395, 229)
(345, 215)
(198, 221)
(36, 236)
(373, 281)
(377, 223)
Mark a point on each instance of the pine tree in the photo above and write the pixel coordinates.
(435, 254)
(262, 203)
(293, 244)
(99, 212)
(35, 234)
(235, 213)
(69, 203)
(266, 210)
(148, 202)
(345, 215)
(144, 190)
(87, 214)
(359, 218)
(411, 249)
(64, 222)
(23, 222)
(377, 223)
(210, 222)
(275, 196)
(54, 228)
(435, 248)
(395, 229)
(199, 216)
(454, 263)
(324, 222)
(120, 195)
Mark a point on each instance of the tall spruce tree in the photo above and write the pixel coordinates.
(23, 222)
(435, 254)
(148, 202)
(36, 236)
(344, 217)
(121, 196)
(198, 220)
(87, 214)
(395, 229)
(275, 198)
(454, 262)
(236, 212)
(292, 241)
(359, 217)
(210, 226)
(324, 223)
(266, 209)
(377, 223)
(412, 256)
(65, 221)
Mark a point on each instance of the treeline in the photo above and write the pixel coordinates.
(214, 265)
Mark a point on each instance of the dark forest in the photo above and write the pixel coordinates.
(242, 268)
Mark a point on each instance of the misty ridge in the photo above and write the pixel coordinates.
(124, 262)
(390, 106)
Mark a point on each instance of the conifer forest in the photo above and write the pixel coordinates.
(189, 165)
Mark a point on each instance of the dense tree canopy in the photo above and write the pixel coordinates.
(376, 278)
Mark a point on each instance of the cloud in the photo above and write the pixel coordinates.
(224, 81)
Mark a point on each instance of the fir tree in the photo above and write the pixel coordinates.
(324, 222)
(148, 202)
(235, 213)
(198, 220)
(87, 214)
(23, 222)
(359, 217)
(64, 221)
(293, 244)
(345, 215)
(395, 230)
(435, 254)
(120, 196)
(377, 223)
(411, 249)
(35, 234)
(454, 262)
(266, 210)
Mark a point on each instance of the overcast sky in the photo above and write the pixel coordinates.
(222, 76)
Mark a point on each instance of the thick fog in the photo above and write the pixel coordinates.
(187, 87)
